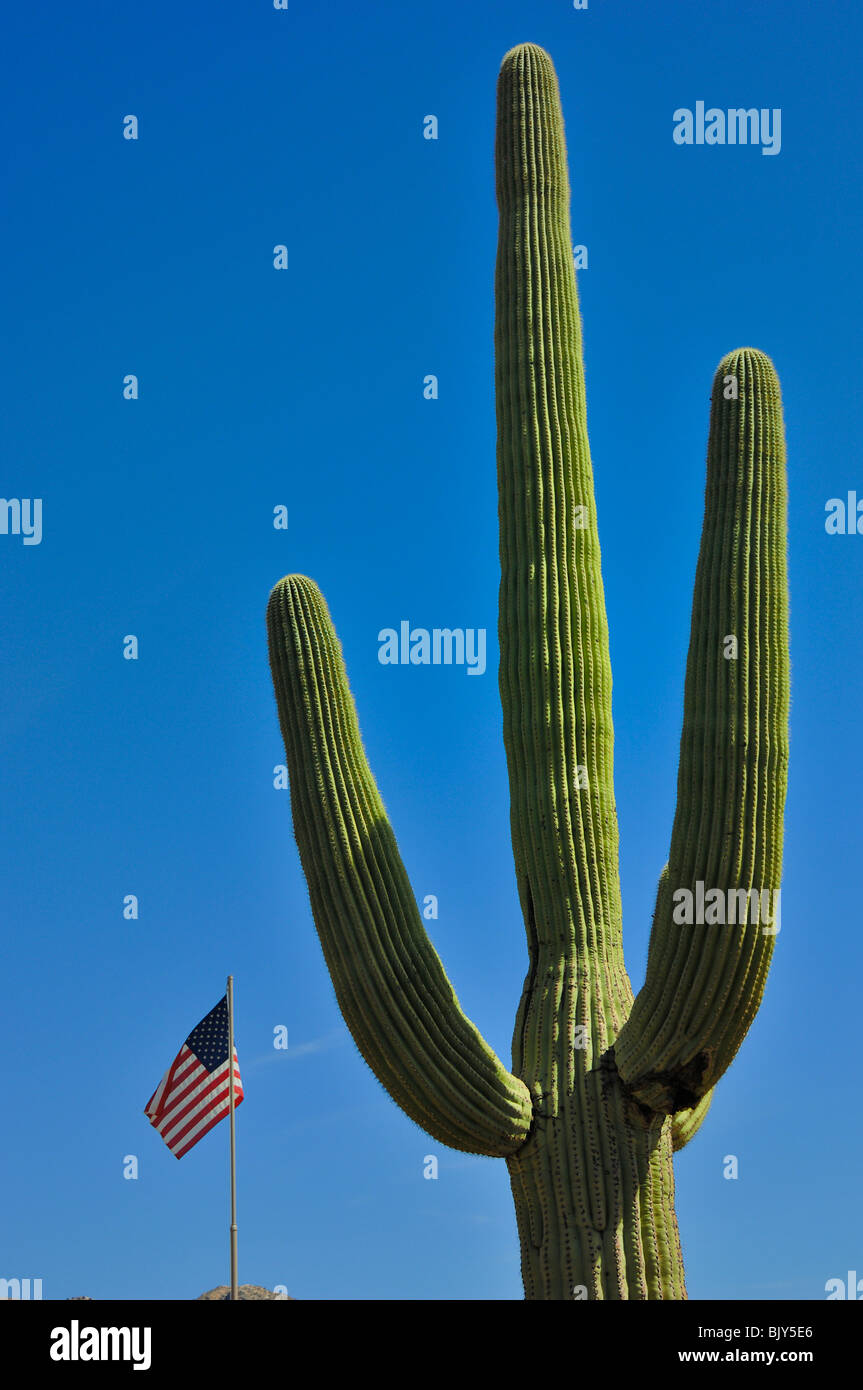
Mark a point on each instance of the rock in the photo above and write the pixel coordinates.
(223, 1294)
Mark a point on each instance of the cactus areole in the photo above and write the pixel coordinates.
(603, 1087)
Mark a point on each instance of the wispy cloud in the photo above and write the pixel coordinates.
(307, 1049)
(294, 1051)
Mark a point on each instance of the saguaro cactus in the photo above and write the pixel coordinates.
(602, 1087)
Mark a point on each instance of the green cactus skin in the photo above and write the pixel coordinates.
(389, 982)
(587, 1131)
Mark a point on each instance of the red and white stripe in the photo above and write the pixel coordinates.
(189, 1100)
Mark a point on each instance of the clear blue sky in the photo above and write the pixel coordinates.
(304, 388)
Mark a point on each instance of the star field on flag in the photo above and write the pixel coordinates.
(194, 1095)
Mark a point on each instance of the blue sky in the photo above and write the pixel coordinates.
(303, 388)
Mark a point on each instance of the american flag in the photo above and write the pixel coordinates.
(193, 1095)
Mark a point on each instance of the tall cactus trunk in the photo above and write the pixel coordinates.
(602, 1088)
(594, 1185)
(594, 1200)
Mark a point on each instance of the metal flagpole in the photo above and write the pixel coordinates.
(235, 1294)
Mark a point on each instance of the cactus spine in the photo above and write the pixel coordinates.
(603, 1088)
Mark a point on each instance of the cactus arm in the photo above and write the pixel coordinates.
(389, 982)
(704, 983)
(685, 1124)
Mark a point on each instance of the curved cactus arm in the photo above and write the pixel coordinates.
(390, 984)
(685, 1124)
(706, 975)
